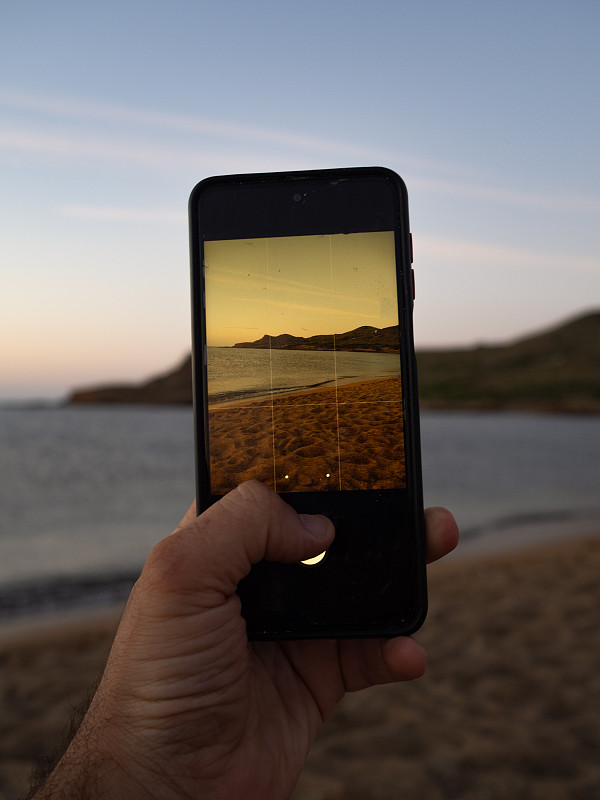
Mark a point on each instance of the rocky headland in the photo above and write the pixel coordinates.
(557, 370)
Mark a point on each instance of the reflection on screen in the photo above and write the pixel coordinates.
(303, 363)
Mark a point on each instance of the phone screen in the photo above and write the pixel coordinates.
(303, 362)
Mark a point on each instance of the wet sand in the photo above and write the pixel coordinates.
(509, 708)
(347, 437)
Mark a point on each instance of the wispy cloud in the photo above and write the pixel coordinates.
(465, 251)
(84, 111)
(75, 128)
(559, 201)
(133, 151)
(230, 277)
(162, 216)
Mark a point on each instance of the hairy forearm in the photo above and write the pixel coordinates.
(78, 772)
(97, 764)
(80, 769)
(86, 773)
(40, 780)
(75, 778)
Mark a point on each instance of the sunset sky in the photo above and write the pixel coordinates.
(111, 112)
(303, 286)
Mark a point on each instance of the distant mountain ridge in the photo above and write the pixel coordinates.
(557, 370)
(364, 339)
(171, 388)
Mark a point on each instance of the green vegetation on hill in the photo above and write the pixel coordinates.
(557, 370)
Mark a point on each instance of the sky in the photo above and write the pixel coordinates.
(111, 112)
(299, 285)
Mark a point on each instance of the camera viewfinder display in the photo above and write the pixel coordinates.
(303, 363)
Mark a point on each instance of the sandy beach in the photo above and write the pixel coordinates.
(343, 438)
(509, 708)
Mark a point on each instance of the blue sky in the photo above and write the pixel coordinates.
(110, 113)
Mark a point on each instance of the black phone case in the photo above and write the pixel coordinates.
(372, 581)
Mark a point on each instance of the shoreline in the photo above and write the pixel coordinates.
(274, 395)
(42, 629)
(520, 541)
(492, 540)
(517, 540)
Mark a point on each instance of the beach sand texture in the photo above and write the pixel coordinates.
(328, 438)
(509, 708)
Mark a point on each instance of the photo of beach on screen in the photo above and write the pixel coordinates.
(303, 362)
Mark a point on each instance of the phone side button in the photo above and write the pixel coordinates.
(412, 277)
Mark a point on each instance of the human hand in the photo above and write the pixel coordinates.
(186, 707)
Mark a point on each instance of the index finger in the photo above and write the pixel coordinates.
(441, 530)
(441, 533)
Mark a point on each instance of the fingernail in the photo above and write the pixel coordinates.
(317, 525)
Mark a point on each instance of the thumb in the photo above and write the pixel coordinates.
(214, 551)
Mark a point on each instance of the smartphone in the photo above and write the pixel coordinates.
(305, 379)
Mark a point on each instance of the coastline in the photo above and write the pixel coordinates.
(509, 704)
(266, 397)
(37, 606)
(523, 535)
(519, 375)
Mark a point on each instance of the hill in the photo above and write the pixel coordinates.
(557, 370)
(365, 339)
(173, 387)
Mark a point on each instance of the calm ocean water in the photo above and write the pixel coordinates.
(86, 491)
(238, 373)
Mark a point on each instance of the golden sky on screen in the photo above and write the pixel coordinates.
(301, 285)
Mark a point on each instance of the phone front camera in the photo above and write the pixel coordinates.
(297, 197)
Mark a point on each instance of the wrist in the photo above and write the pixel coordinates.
(89, 768)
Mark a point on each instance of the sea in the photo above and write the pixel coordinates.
(245, 373)
(86, 491)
